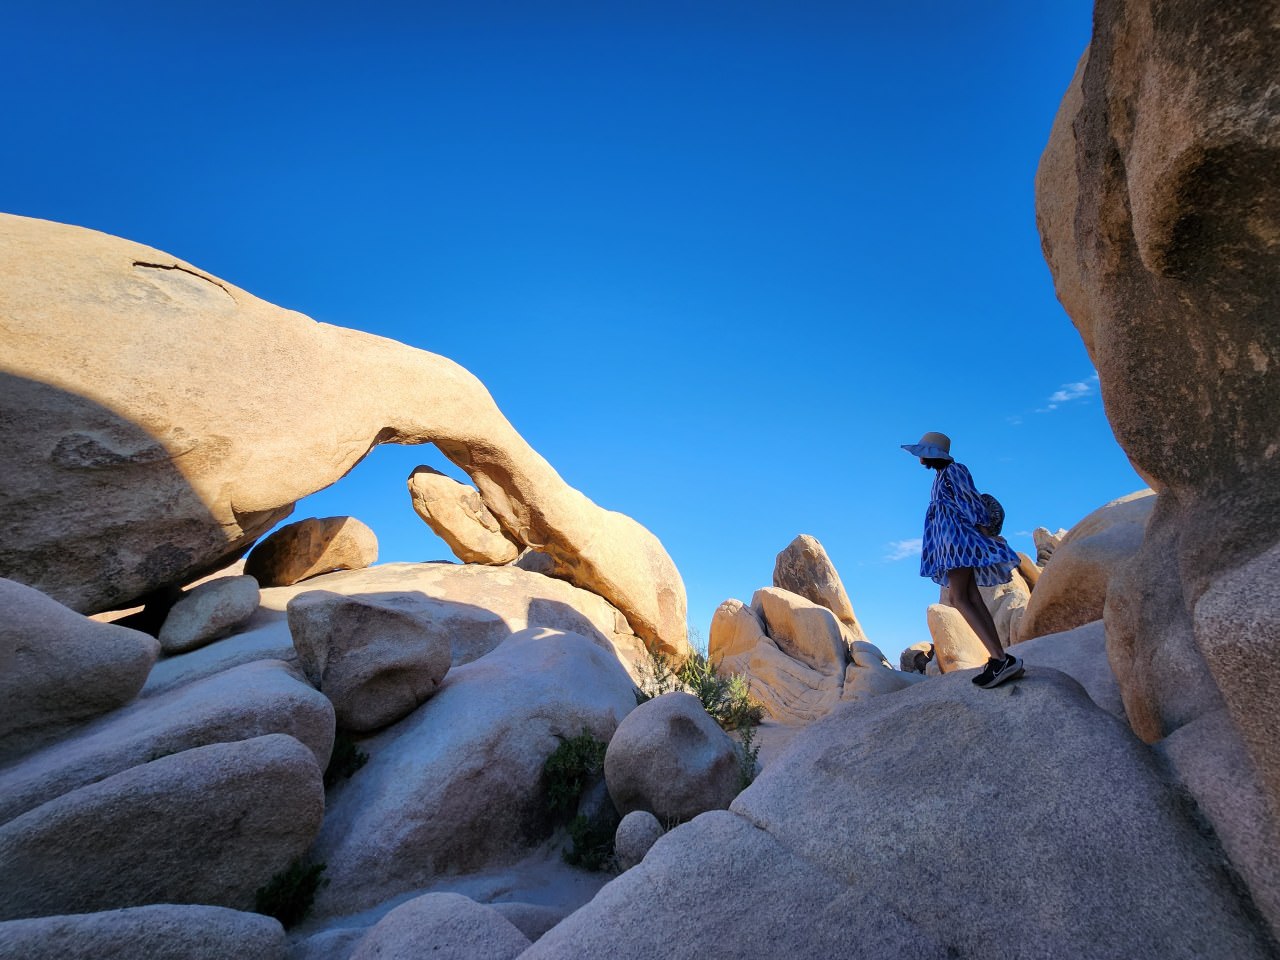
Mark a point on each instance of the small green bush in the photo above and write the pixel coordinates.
(592, 842)
(345, 759)
(727, 699)
(289, 894)
(567, 770)
(748, 755)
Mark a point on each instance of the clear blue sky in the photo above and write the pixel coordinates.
(715, 261)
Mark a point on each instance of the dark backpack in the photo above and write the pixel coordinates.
(995, 513)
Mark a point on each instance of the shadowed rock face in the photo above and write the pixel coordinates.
(157, 420)
(1158, 201)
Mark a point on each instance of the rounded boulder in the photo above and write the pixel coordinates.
(671, 758)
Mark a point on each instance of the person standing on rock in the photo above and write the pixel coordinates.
(959, 552)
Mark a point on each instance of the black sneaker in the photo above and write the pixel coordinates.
(1009, 669)
(988, 672)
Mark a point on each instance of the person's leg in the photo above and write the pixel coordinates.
(966, 598)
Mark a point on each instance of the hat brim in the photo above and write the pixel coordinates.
(927, 451)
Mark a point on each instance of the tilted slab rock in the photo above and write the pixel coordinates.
(162, 931)
(248, 701)
(804, 568)
(376, 656)
(310, 547)
(456, 785)
(209, 611)
(1156, 202)
(802, 629)
(58, 668)
(209, 825)
(446, 926)
(1072, 589)
(790, 690)
(671, 758)
(115, 483)
(457, 515)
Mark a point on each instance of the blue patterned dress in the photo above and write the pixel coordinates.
(951, 537)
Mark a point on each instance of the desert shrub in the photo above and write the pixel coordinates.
(289, 894)
(748, 755)
(727, 699)
(592, 847)
(345, 759)
(568, 770)
(566, 775)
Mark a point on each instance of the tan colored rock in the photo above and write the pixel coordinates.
(1046, 543)
(251, 700)
(955, 645)
(804, 568)
(445, 926)
(1007, 603)
(457, 515)
(208, 825)
(97, 435)
(802, 630)
(1072, 589)
(58, 668)
(377, 658)
(161, 931)
(865, 654)
(310, 547)
(790, 691)
(1029, 570)
(207, 612)
(671, 758)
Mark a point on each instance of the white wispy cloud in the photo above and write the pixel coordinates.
(901, 549)
(1070, 391)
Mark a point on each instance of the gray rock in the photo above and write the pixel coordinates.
(209, 611)
(309, 547)
(531, 919)
(805, 569)
(377, 657)
(1209, 758)
(1082, 655)
(768, 903)
(948, 797)
(160, 931)
(249, 701)
(447, 926)
(456, 785)
(638, 831)
(209, 825)
(671, 758)
(335, 944)
(60, 668)
(916, 657)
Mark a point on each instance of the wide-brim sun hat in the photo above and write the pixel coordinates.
(932, 446)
